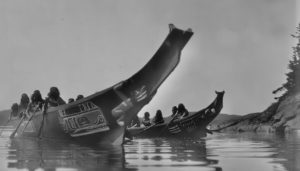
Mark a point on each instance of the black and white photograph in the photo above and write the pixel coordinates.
(134, 85)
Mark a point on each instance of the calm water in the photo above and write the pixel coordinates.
(226, 152)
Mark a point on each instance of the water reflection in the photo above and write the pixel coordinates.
(288, 149)
(221, 152)
(250, 151)
(169, 154)
(50, 155)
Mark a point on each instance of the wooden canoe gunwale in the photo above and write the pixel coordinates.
(190, 126)
(152, 75)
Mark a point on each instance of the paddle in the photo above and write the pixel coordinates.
(31, 116)
(41, 127)
(44, 113)
(15, 131)
(27, 123)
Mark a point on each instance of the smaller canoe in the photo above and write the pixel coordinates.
(193, 125)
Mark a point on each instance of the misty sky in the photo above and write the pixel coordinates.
(240, 46)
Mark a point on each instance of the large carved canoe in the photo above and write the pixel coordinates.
(192, 126)
(91, 120)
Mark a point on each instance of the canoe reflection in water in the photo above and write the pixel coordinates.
(151, 153)
(244, 151)
(169, 154)
(31, 154)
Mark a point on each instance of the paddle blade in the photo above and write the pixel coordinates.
(15, 131)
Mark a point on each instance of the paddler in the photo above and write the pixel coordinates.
(182, 111)
(24, 101)
(80, 96)
(23, 104)
(71, 100)
(158, 119)
(146, 120)
(36, 103)
(174, 111)
(14, 111)
(54, 98)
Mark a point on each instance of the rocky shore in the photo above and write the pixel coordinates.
(282, 116)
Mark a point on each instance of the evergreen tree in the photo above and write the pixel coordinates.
(292, 84)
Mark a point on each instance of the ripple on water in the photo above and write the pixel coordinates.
(245, 152)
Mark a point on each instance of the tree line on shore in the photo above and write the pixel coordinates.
(292, 84)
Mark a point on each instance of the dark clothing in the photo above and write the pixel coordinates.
(185, 113)
(52, 102)
(182, 111)
(71, 100)
(182, 114)
(146, 122)
(158, 120)
(14, 110)
(35, 106)
(79, 97)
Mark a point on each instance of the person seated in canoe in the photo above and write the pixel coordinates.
(54, 98)
(174, 111)
(36, 103)
(146, 120)
(71, 100)
(14, 111)
(182, 111)
(23, 104)
(80, 96)
(158, 119)
(135, 97)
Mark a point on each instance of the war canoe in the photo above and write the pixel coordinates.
(194, 125)
(90, 120)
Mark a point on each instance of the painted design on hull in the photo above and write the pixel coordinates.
(83, 119)
(174, 129)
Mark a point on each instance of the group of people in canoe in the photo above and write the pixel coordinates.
(178, 112)
(37, 103)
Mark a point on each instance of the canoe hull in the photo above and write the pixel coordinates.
(194, 125)
(91, 119)
(53, 129)
(181, 129)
